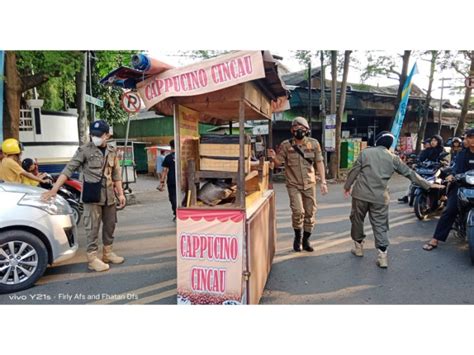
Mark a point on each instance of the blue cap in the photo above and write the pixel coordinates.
(470, 132)
(98, 128)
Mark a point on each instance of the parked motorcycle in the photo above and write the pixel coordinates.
(76, 205)
(464, 223)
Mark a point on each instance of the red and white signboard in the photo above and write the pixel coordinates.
(210, 256)
(469, 82)
(203, 77)
(130, 102)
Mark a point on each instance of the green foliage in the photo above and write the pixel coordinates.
(380, 65)
(60, 66)
(202, 54)
(103, 63)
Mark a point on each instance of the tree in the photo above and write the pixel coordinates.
(25, 70)
(421, 130)
(465, 70)
(387, 66)
(334, 163)
(340, 112)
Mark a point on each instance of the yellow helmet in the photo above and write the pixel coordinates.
(11, 146)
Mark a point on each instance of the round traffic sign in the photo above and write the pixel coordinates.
(130, 102)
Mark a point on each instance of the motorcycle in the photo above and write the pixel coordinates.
(75, 203)
(464, 224)
(424, 202)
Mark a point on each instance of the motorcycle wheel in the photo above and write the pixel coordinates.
(420, 207)
(76, 213)
(470, 241)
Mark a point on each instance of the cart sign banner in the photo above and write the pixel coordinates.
(210, 260)
(200, 78)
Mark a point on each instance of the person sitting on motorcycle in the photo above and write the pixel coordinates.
(434, 151)
(456, 147)
(30, 166)
(10, 168)
(433, 148)
(464, 162)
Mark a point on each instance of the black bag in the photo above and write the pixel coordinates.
(91, 190)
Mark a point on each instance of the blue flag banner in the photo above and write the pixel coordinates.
(402, 108)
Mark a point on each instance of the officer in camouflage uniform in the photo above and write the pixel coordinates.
(369, 179)
(97, 159)
(301, 156)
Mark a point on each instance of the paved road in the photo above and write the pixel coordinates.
(330, 275)
(145, 236)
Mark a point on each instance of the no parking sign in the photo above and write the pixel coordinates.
(131, 102)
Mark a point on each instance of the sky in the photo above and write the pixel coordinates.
(420, 79)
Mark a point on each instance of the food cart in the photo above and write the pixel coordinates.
(226, 240)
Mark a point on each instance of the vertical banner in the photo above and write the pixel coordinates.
(330, 133)
(210, 256)
(402, 108)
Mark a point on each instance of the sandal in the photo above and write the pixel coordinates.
(429, 247)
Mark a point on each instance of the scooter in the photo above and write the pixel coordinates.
(76, 205)
(425, 202)
(464, 224)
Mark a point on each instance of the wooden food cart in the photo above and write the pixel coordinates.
(224, 249)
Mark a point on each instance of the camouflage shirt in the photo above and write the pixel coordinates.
(91, 160)
(298, 171)
(371, 172)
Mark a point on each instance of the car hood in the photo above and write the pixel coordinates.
(20, 188)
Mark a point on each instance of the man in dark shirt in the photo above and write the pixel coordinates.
(169, 175)
(464, 162)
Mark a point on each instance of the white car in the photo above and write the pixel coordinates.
(33, 234)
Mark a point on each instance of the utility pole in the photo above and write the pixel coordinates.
(90, 85)
(309, 99)
(322, 97)
(441, 102)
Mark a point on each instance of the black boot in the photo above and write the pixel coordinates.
(306, 244)
(297, 241)
(403, 199)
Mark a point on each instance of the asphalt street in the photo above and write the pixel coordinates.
(331, 275)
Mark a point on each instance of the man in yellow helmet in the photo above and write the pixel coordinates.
(10, 165)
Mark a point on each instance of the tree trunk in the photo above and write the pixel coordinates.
(467, 99)
(14, 87)
(333, 82)
(11, 118)
(426, 109)
(81, 82)
(340, 111)
(333, 160)
(403, 78)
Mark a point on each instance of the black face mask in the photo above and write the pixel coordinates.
(299, 134)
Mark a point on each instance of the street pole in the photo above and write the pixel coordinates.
(309, 99)
(90, 84)
(323, 108)
(441, 103)
(125, 152)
